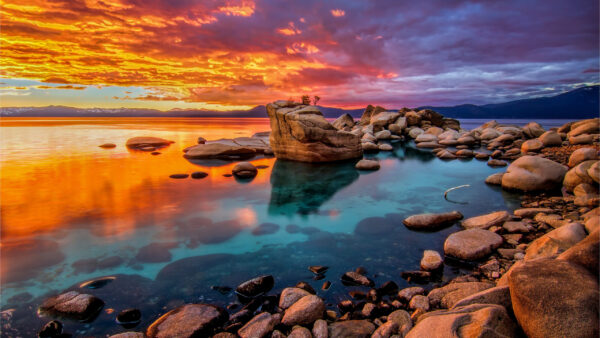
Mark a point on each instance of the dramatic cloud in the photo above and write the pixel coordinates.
(242, 53)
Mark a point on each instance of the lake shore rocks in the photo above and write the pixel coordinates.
(301, 133)
(74, 305)
(532, 173)
(472, 244)
(190, 320)
(432, 221)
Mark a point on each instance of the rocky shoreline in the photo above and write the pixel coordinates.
(533, 271)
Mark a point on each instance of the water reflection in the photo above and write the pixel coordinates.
(301, 188)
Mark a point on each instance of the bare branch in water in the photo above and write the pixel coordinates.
(454, 188)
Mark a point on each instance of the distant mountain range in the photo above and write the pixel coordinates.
(576, 104)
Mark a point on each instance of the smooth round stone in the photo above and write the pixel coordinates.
(386, 147)
(129, 316)
(367, 165)
(198, 174)
(244, 170)
(496, 163)
(431, 260)
(179, 176)
(472, 244)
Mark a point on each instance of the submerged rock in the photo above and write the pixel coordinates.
(74, 305)
(190, 320)
(146, 141)
(129, 316)
(301, 133)
(198, 175)
(244, 170)
(432, 221)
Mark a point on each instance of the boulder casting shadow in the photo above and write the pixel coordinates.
(301, 188)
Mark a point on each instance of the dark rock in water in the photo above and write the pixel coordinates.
(319, 276)
(292, 229)
(496, 163)
(306, 286)
(374, 226)
(199, 174)
(73, 305)
(110, 262)
(179, 176)
(227, 175)
(326, 286)
(155, 153)
(432, 221)
(147, 142)
(262, 166)
(265, 229)
(155, 253)
(129, 317)
(256, 286)
(388, 288)
(361, 269)
(190, 320)
(358, 295)
(241, 316)
(51, 329)
(416, 276)
(318, 269)
(106, 146)
(269, 304)
(354, 278)
(244, 170)
(97, 283)
(201, 140)
(224, 290)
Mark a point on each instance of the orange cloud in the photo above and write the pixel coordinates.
(62, 87)
(338, 12)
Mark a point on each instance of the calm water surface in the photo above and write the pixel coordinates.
(72, 211)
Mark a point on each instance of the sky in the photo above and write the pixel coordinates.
(236, 54)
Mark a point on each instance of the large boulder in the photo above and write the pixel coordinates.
(486, 221)
(291, 295)
(365, 119)
(532, 173)
(477, 320)
(556, 241)
(579, 174)
(551, 139)
(591, 126)
(585, 253)
(383, 119)
(190, 320)
(73, 305)
(472, 244)
(256, 286)
(554, 298)
(301, 133)
(344, 121)
(432, 221)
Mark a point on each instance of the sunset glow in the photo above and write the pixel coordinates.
(236, 54)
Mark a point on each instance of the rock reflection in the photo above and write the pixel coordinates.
(301, 188)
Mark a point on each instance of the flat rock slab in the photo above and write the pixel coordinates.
(447, 296)
(472, 244)
(227, 149)
(432, 221)
(147, 141)
(554, 298)
(486, 221)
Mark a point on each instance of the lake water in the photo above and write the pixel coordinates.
(72, 211)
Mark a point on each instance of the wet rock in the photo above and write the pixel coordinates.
(199, 175)
(190, 320)
(368, 310)
(224, 290)
(107, 145)
(486, 221)
(496, 163)
(554, 298)
(367, 165)
(301, 133)
(499, 295)
(407, 294)
(155, 153)
(355, 278)
(477, 320)
(369, 147)
(402, 319)
(351, 329)
(531, 173)
(304, 311)
(556, 241)
(431, 221)
(431, 260)
(256, 286)
(494, 179)
(73, 305)
(428, 145)
(471, 244)
(179, 176)
(291, 295)
(144, 142)
(221, 335)
(51, 329)
(447, 296)
(260, 326)
(446, 155)
(244, 170)
(129, 317)
(97, 283)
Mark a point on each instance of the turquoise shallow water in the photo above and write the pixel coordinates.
(224, 231)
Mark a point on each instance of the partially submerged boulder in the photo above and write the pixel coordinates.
(301, 133)
(532, 173)
(432, 221)
(146, 141)
(74, 305)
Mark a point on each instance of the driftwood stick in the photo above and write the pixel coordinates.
(454, 188)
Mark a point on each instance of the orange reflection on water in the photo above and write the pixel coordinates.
(53, 175)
